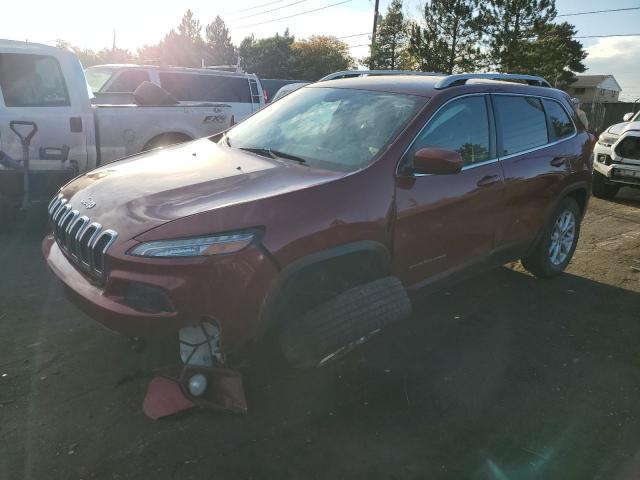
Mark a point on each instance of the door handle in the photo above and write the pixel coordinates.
(559, 162)
(488, 180)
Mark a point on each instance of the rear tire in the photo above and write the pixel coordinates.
(601, 189)
(558, 241)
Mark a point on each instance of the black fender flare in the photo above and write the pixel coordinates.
(565, 192)
(267, 319)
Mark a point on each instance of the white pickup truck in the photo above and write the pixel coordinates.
(617, 157)
(43, 93)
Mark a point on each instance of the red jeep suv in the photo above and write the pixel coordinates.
(317, 214)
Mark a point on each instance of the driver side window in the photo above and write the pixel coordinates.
(463, 126)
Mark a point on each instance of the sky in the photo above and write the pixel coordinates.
(139, 22)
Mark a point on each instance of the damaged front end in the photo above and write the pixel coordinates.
(203, 381)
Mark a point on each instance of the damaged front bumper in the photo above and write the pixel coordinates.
(151, 299)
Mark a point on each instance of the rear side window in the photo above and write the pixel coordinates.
(32, 81)
(461, 125)
(127, 81)
(521, 122)
(559, 122)
(188, 87)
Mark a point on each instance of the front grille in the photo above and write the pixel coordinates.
(85, 242)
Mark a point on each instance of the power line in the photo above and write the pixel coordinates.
(362, 45)
(356, 35)
(613, 35)
(599, 11)
(257, 6)
(294, 15)
(267, 11)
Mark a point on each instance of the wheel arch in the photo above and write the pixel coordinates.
(182, 136)
(375, 254)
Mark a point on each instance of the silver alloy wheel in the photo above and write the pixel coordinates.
(562, 237)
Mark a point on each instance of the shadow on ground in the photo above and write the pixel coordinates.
(500, 377)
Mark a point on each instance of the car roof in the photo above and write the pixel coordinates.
(425, 86)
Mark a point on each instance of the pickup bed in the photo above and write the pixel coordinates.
(44, 88)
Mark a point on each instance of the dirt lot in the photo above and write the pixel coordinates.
(501, 377)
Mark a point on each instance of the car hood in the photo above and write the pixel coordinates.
(620, 128)
(137, 194)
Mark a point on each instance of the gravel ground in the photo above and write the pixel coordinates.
(500, 377)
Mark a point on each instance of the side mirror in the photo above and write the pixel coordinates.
(437, 161)
(627, 117)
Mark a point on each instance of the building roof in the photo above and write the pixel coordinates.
(586, 81)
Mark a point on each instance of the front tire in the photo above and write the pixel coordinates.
(557, 244)
(601, 189)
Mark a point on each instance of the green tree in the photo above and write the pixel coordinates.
(268, 57)
(449, 39)
(189, 27)
(220, 49)
(318, 56)
(185, 46)
(510, 27)
(554, 54)
(389, 49)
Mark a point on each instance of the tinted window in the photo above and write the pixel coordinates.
(463, 126)
(32, 81)
(206, 88)
(128, 81)
(522, 123)
(560, 123)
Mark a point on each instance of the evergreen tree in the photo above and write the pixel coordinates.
(189, 27)
(220, 49)
(510, 26)
(448, 41)
(390, 47)
(184, 47)
(554, 54)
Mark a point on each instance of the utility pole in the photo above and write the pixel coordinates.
(113, 46)
(375, 25)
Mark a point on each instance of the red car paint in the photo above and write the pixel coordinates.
(429, 227)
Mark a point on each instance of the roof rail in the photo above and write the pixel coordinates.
(461, 79)
(366, 73)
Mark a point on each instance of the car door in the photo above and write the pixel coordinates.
(34, 90)
(534, 163)
(447, 222)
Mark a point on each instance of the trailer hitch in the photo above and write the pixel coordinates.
(25, 140)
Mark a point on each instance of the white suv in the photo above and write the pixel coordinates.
(616, 158)
(240, 90)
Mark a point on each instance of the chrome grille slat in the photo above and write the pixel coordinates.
(85, 242)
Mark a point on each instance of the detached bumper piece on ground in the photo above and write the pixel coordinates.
(216, 388)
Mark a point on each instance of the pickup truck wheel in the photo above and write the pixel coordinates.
(601, 189)
(336, 326)
(166, 140)
(557, 243)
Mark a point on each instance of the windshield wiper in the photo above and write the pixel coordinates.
(288, 156)
(267, 152)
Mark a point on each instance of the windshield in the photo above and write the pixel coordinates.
(332, 128)
(97, 77)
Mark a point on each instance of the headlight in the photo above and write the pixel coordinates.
(607, 139)
(194, 247)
